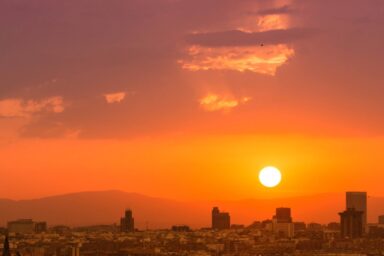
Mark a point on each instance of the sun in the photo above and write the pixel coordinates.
(270, 177)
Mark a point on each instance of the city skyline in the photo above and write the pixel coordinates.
(162, 213)
(280, 233)
(191, 127)
(353, 221)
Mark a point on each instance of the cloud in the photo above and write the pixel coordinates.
(25, 108)
(116, 97)
(241, 38)
(81, 51)
(215, 102)
(263, 60)
(257, 43)
(260, 52)
(273, 22)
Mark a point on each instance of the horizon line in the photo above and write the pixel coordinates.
(186, 200)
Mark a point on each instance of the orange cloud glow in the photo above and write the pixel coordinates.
(22, 108)
(272, 22)
(213, 102)
(263, 23)
(263, 60)
(115, 97)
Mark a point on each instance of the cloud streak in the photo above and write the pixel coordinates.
(116, 97)
(214, 102)
(11, 108)
(263, 60)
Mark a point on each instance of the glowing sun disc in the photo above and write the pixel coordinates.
(270, 177)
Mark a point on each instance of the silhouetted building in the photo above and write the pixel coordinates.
(358, 201)
(127, 223)
(220, 220)
(26, 226)
(299, 226)
(283, 215)
(40, 227)
(284, 230)
(256, 225)
(237, 226)
(314, 226)
(6, 250)
(375, 232)
(351, 223)
(381, 220)
(22, 226)
(182, 228)
(333, 226)
(282, 224)
(266, 223)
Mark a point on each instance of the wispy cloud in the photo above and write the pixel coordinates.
(26, 108)
(214, 102)
(272, 22)
(263, 60)
(115, 97)
(260, 45)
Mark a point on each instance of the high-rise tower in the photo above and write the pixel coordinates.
(283, 215)
(127, 223)
(358, 201)
(351, 223)
(282, 224)
(220, 220)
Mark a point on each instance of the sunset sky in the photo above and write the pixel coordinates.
(189, 99)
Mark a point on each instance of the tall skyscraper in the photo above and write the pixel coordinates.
(351, 223)
(220, 220)
(283, 215)
(282, 224)
(358, 201)
(127, 223)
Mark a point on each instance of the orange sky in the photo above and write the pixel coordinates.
(212, 167)
(190, 99)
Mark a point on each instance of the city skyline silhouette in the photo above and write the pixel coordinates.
(82, 209)
(191, 127)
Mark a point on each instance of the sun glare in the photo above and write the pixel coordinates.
(270, 176)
